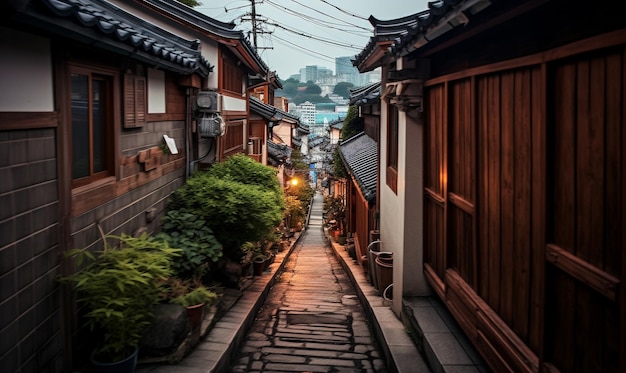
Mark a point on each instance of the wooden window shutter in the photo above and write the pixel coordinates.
(134, 101)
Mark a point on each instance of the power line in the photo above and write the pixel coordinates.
(327, 15)
(312, 53)
(309, 18)
(343, 11)
(328, 41)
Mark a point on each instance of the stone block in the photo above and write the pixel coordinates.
(169, 328)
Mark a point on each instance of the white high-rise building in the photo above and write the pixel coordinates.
(307, 113)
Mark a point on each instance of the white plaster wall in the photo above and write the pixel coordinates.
(156, 91)
(282, 129)
(230, 103)
(401, 228)
(26, 82)
(412, 276)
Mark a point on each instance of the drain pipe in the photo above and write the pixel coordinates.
(188, 136)
(372, 243)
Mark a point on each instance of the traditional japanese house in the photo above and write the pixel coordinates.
(502, 175)
(98, 126)
(360, 155)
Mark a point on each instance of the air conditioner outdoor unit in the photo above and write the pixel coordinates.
(208, 102)
(211, 125)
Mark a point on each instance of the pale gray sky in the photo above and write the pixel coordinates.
(309, 32)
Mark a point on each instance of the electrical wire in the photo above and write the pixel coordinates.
(327, 41)
(314, 20)
(344, 11)
(351, 32)
(327, 15)
(311, 52)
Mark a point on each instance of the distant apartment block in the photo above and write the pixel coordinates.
(306, 111)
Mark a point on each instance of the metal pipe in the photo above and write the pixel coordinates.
(373, 242)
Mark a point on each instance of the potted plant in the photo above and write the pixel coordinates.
(118, 289)
(255, 254)
(259, 263)
(195, 301)
(341, 238)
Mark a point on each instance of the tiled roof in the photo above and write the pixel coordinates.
(396, 36)
(443, 16)
(365, 95)
(318, 141)
(103, 23)
(360, 155)
(385, 33)
(303, 128)
(270, 112)
(337, 124)
(210, 25)
(277, 153)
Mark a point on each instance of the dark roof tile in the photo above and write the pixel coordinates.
(120, 26)
(360, 154)
(365, 95)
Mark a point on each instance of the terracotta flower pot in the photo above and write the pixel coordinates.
(195, 315)
(259, 266)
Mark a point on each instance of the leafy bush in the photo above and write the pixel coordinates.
(244, 169)
(303, 192)
(239, 199)
(196, 296)
(190, 233)
(119, 288)
(295, 210)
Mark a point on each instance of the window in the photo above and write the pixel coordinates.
(135, 101)
(392, 147)
(233, 75)
(92, 125)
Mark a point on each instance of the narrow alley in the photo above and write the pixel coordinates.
(312, 320)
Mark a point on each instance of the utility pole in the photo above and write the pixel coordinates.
(254, 25)
(256, 28)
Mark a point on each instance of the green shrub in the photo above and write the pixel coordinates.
(119, 288)
(236, 212)
(196, 296)
(303, 192)
(294, 210)
(190, 233)
(244, 169)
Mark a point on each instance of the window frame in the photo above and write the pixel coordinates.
(111, 77)
(392, 147)
(232, 77)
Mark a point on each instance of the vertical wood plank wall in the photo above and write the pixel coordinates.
(524, 215)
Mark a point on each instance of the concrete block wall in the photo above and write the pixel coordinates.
(31, 338)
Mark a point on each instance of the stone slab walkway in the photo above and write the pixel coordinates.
(334, 329)
(312, 320)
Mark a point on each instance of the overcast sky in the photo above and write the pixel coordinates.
(309, 32)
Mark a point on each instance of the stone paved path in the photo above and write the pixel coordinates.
(312, 320)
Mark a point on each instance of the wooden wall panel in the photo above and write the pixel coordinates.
(461, 187)
(523, 93)
(531, 260)
(582, 303)
(435, 181)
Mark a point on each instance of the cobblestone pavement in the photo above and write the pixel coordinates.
(312, 320)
